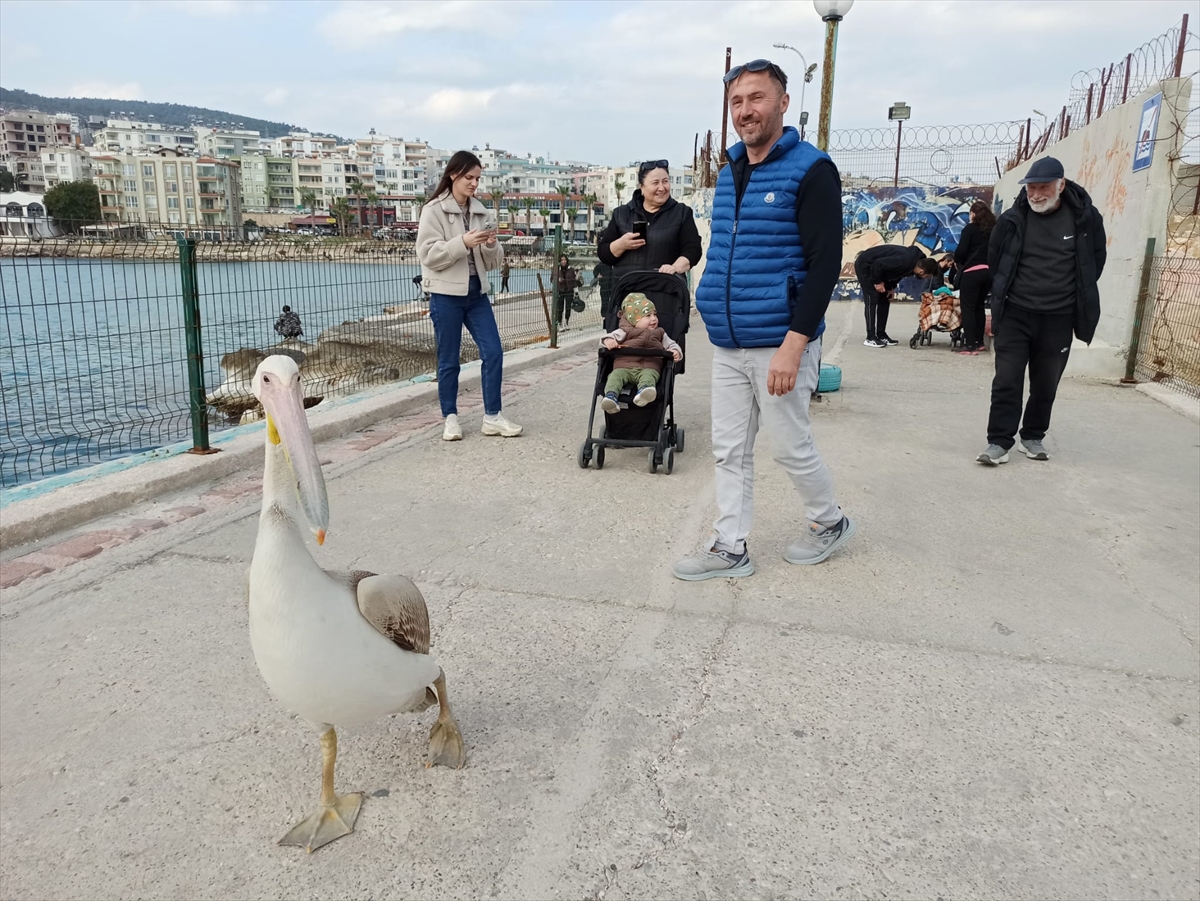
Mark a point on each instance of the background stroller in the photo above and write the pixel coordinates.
(652, 426)
(939, 313)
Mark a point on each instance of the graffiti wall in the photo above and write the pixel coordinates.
(932, 217)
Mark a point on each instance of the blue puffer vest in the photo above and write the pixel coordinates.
(748, 302)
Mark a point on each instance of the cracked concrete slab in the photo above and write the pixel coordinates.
(991, 692)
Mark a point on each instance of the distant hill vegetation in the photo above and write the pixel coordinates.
(142, 111)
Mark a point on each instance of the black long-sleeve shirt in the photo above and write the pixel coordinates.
(819, 220)
(972, 247)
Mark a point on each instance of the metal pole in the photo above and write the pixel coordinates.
(725, 108)
(1091, 88)
(1182, 44)
(827, 84)
(1128, 66)
(1139, 310)
(198, 402)
(899, 131)
(558, 302)
(1028, 131)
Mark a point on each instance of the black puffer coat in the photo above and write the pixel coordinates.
(670, 234)
(1004, 255)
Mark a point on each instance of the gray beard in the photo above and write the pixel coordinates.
(1046, 206)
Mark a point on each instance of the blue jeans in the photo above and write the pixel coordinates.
(450, 312)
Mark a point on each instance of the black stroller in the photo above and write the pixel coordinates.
(652, 426)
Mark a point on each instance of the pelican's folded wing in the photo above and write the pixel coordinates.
(395, 607)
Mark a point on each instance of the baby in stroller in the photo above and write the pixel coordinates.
(638, 328)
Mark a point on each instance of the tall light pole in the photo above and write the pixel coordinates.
(898, 112)
(808, 76)
(831, 12)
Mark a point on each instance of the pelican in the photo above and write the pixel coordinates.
(335, 649)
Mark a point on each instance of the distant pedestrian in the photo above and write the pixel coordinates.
(879, 270)
(568, 281)
(1046, 254)
(763, 298)
(288, 324)
(602, 273)
(456, 250)
(504, 270)
(976, 279)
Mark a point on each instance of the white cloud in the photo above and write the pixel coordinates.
(453, 104)
(129, 90)
(371, 21)
(276, 97)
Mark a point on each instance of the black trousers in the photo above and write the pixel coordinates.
(1040, 342)
(876, 305)
(973, 288)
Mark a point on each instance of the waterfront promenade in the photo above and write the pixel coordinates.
(991, 692)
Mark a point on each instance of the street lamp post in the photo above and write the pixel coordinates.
(898, 111)
(808, 76)
(831, 12)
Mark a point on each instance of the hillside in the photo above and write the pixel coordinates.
(141, 110)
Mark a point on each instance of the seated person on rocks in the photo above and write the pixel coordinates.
(638, 328)
(288, 323)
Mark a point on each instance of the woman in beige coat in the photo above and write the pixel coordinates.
(456, 244)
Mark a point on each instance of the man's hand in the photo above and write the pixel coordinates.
(880, 287)
(785, 364)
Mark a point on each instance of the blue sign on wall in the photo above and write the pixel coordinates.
(1143, 149)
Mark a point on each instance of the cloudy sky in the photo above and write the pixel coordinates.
(608, 82)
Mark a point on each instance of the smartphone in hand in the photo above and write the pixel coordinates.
(639, 228)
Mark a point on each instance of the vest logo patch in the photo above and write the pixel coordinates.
(770, 198)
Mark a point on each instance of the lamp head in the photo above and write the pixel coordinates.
(832, 10)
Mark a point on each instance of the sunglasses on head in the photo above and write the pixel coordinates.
(755, 65)
(650, 165)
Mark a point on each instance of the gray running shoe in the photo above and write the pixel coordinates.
(714, 564)
(818, 543)
(1033, 449)
(993, 455)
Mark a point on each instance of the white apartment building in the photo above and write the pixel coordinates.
(228, 143)
(128, 136)
(301, 143)
(64, 164)
(168, 188)
(24, 134)
(390, 166)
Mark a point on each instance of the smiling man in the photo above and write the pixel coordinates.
(773, 261)
(1047, 253)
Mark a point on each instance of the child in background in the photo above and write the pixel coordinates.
(638, 328)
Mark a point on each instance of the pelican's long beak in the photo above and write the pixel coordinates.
(287, 424)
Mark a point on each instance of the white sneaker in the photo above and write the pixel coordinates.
(646, 396)
(452, 431)
(498, 425)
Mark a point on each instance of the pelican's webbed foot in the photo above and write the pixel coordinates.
(445, 739)
(328, 822)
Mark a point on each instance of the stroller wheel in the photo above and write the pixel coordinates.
(679, 441)
(600, 456)
(585, 455)
(669, 460)
(912, 342)
(651, 462)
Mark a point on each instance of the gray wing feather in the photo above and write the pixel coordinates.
(395, 607)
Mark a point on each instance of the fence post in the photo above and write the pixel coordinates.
(195, 356)
(1139, 311)
(556, 297)
(1182, 46)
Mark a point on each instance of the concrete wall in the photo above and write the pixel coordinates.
(1135, 205)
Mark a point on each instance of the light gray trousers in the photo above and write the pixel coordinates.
(739, 401)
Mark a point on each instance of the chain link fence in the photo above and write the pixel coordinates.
(1168, 347)
(97, 331)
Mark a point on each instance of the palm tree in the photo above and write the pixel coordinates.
(496, 195)
(529, 203)
(545, 213)
(620, 186)
(570, 218)
(590, 200)
(355, 187)
(373, 203)
(340, 208)
(308, 198)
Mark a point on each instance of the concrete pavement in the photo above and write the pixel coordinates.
(991, 692)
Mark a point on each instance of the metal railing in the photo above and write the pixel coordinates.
(112, 345)
(1166, 341)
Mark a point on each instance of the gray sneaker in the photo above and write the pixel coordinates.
(993, 455)
(714, 564)
(1033, 449)
(818, 543)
